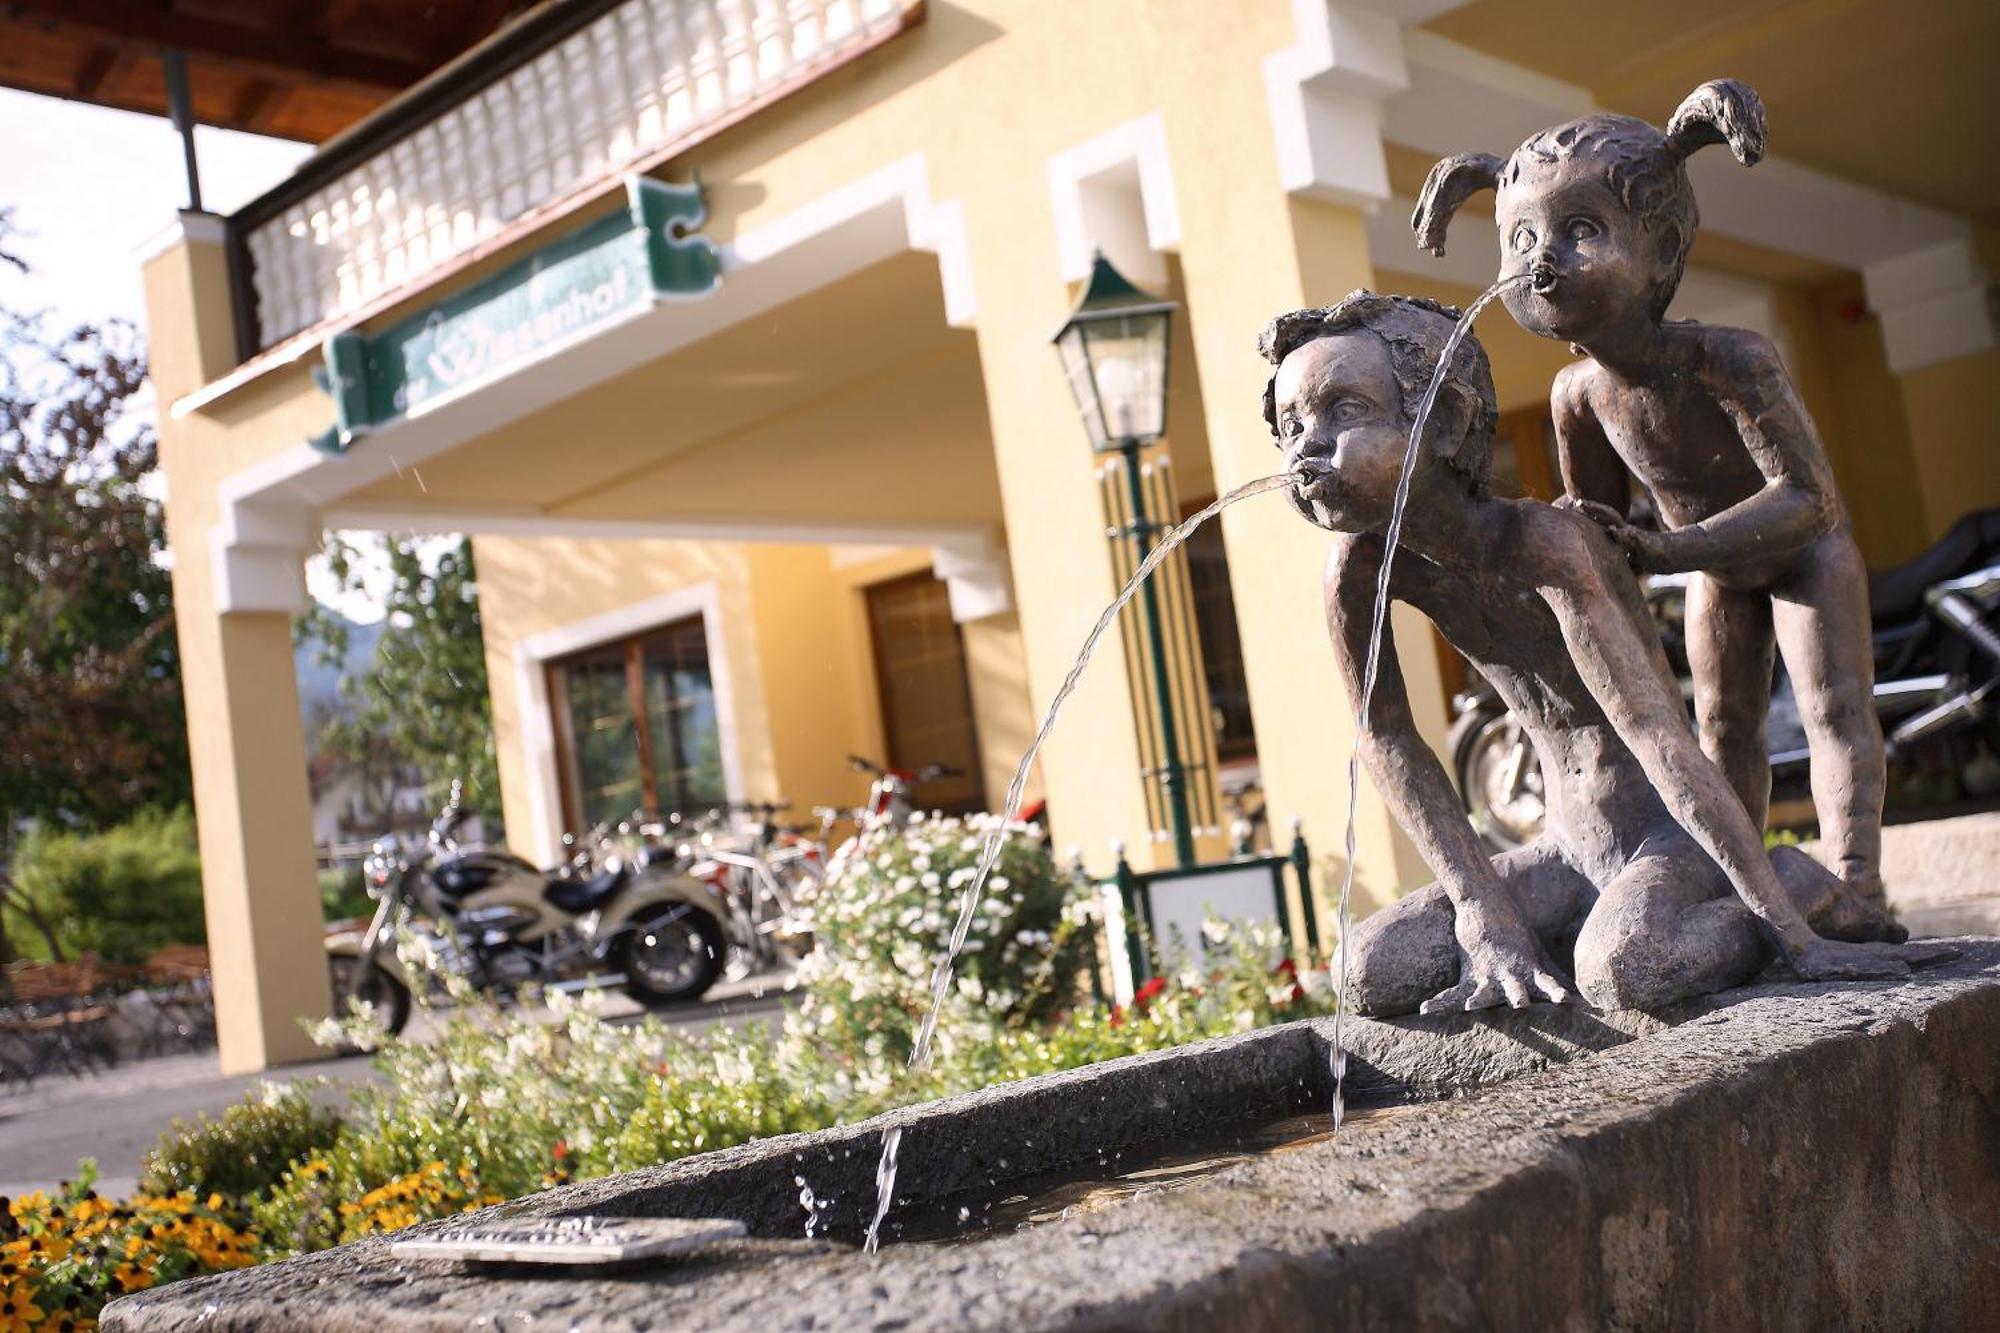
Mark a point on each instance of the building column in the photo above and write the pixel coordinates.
(238, 578)
(1270, 224)
(260, 895)
(1057, 554)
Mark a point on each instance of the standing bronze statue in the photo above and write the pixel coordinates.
(1650, 882)
(1600, 213)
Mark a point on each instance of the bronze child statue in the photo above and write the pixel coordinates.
(1645, 839)
(1601, 215)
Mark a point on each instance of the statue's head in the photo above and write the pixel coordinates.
(1599, 212)
(1346, 384)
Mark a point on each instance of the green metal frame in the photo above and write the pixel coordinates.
(1135, 894)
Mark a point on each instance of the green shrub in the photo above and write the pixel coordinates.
(343, 894)
(121, 893)
(246, 1151)
(880, 926)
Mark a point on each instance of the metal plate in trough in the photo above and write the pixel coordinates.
(571, 1241)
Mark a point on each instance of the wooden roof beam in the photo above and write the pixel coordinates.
(282, 55)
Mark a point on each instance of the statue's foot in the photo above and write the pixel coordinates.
(1835, 960)
(1855, 914)
(1868, 887)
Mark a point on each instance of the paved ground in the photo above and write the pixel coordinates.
(117, 1115)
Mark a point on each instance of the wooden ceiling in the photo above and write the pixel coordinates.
(295, 69)
(1897, 94)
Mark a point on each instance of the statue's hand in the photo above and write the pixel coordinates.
(1596, 511)
(1649, 552)
(1836, 960)
(1500, 962)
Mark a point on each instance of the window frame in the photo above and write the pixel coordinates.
(631, 648)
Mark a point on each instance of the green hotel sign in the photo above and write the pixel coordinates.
(572, 289)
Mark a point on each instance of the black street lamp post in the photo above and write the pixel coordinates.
(1114, 351)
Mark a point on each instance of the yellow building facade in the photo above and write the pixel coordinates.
(858, 446)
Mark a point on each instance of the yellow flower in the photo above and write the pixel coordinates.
(133, 1277)
(18, 1313)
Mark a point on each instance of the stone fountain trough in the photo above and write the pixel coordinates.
(1780, 1156)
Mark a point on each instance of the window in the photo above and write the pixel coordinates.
(636, 727)
(926, 702)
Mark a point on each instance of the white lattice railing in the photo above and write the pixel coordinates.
(644, 75)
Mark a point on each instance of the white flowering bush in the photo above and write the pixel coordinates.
(882, 924)
(498, 1102)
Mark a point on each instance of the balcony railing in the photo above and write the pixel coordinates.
(572, 97)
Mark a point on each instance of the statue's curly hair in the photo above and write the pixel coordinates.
(1415, 329)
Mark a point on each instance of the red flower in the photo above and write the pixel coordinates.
(1118, 1015)
(1147, 993)
(1287, 968)
(561, 1149)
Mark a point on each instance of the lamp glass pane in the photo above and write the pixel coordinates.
(1128, 357)
(1076, 369)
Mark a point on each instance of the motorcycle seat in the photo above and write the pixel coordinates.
(1897, 593)
(578, 896)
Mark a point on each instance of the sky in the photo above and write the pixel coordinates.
(89, 186)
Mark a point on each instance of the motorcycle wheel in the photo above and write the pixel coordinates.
(673, 956)
(355, 978)
(1499, 777)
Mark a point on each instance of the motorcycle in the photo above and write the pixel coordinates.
(1937, 665)
(495, 919)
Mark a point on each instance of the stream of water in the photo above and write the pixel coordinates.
(1391, 536)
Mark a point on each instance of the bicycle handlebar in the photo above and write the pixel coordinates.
(927, 773)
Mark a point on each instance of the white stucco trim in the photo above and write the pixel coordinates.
(189, 227)
(509, 521)
(1115, 192)
(885, 213)
(1324, 94)
(976, 576)
(1935, 304)
(537, 723)
(969, 557)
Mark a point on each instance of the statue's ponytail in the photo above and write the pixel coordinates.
(1451, 182)
(1720, 111)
